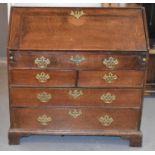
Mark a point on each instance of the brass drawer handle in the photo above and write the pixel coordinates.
(77, 13)
(108, 98)
(110, 77)
(44, 97)
(106, 120)
(42, 62)
(11, 57)
(77, 59)
(75, 93)
(44, 120)
(110, 62)
(42, 77)
(75, 113)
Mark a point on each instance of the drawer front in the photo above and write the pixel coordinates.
(75, 97)
(72, 119)
(77, 60)
(111, 79)
(49, 78)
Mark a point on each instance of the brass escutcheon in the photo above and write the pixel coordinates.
(42, 62)
(44, 119)
(42, 77)
(110, 62)
(110, 77)
(75, 113)
(77, 13)
(44, 97)
(108, 98)
(106, 120)
(77, 59)
(75, 93)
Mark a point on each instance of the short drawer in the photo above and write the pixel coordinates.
(77, 60)
(76, 119)
(75, 97)
(124, 78)
(49, 78)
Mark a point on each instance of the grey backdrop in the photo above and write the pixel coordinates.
(3, 29)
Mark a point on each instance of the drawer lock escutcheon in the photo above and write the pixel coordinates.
(106, 120)
(75, 113)
(44, 120)
(109, 78)
(110, 62)
(77, 13)
(44, 97)
(108, 98)
(42, 62)
(42, 77)
(77, 59)
(75, 93)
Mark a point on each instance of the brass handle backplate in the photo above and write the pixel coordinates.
(42, 77)
(106, 120)
(42, 62)
(77, 59)
(44, 120)
(108, 98)
(75, 93)
(75, 113)
(110, 77)
(77, 13)
(110, 62)
(44, 97)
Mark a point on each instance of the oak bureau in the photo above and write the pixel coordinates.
(77, 71)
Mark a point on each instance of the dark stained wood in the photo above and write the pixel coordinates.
(61, 120)
(57, 78)
(90, 97)
(124, 79)
(96, 26)
(62, 60)
(56, 35)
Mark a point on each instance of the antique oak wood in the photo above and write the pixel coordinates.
(77, 71)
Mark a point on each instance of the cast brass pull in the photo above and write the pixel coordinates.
(110, 62)
(110, 77)
(108, 98)
(77, 59)
(77, 13)
(75, 93)
(11, 57)
(44, 97)
(42, 62)
(75, 113)
(42, 77)
(106, 120)
(44, 120)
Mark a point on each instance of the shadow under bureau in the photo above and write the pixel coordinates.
(77, 71)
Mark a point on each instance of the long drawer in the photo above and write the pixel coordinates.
(77, 60)
(124, 78)
(75, 97)
(69, 118)
(50, 78)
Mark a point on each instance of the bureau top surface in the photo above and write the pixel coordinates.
(107, 29)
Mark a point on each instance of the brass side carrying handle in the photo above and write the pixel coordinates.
(77, 59)
(110, 62)
(108, 98)
(44, 97)
(77, 13)
(11, 57)
(110, 77)
(42, 77)
(42, 62)
(106, 120)
(44, 120)
(75, 93)
(75, 113)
